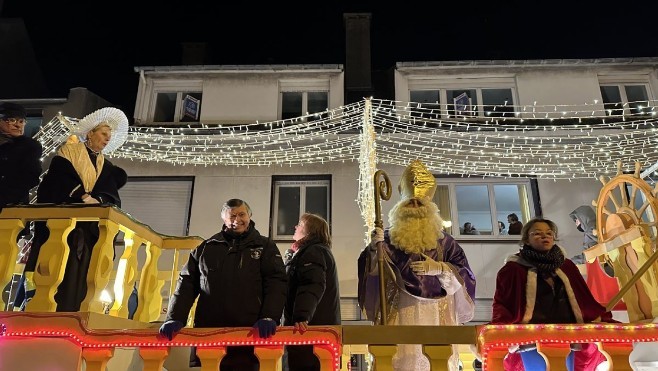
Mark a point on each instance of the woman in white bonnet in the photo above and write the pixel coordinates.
(81, 174)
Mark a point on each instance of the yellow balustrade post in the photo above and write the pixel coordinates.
(617, 354)
(555, 355)
(326, 358)
(383, 356)
(126, 273)
(51, 265)
(9, 229)
(211, 358)
(148, 295)
(97, 358)
(154, 358)
(438, 356)
(100, 266)
(269, 357)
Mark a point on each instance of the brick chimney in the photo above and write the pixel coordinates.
(358, 73)
(194, 53)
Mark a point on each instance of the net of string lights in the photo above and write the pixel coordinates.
(547, 142)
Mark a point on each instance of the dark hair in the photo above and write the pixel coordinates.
(234, 202)
(501, 224)
(526, 228)
(469, 224)
(317, 228)
(514, 217)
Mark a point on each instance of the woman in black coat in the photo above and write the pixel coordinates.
(313, 295)
(79, 173)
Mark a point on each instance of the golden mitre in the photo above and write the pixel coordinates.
(416, 182)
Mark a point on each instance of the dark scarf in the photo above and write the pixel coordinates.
(546, 263)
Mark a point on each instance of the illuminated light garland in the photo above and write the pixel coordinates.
(86, 340)
(501, 337)
(367, 169)
(549, 142)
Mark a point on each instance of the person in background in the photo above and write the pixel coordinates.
(515, 225)
(20, 157)
(585, 219)
(430, 280)
(313, 294)
(539, 285)
(239, 279)
(80, 173)
(501, 228)
(469, 228)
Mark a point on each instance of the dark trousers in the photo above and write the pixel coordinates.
(236, 359)
(302, 358)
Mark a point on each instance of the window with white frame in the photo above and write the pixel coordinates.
(176, 101)
(182, 106)
(485, 204)
(626, 95)
(294, 196)
(485, 97)
(301, 97)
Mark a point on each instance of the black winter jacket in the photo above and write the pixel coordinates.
(20, 167)
(238, 279)
(313, 293)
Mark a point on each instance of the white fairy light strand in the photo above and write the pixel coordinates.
(549, 142)
(367, 169)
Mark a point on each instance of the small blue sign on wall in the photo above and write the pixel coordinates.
(191, 107)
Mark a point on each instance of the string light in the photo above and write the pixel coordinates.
(327, 338)
(548, 142)
(501, 337)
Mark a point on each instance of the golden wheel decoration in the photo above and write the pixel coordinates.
(626, 200)
(626, 225)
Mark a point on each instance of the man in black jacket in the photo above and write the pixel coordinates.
(20, 157)
(239, 278)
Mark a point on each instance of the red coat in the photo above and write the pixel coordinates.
(515, 279)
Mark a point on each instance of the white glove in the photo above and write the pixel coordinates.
(90, 200)
(429, 267)
(377, 235)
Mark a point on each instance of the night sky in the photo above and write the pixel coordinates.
(96, 44)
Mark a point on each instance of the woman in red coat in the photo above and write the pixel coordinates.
(540, 285)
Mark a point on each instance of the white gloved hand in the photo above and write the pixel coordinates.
(377, 235)
(90, 200)
(429, 267)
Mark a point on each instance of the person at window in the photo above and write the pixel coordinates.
(430, 279)
(515, 225)
(313, 295)
(501, 228)
(80, 173)
(239, 279)
(469, 228)
(20, 157)
(539, 285)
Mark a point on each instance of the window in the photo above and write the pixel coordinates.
(626, 94)
(484, 102)
(177, 106)
(294, 196)
(429, 103)
(163, 203)
(299, 97)
(299, 103)
(483, 204)
(622, 99)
